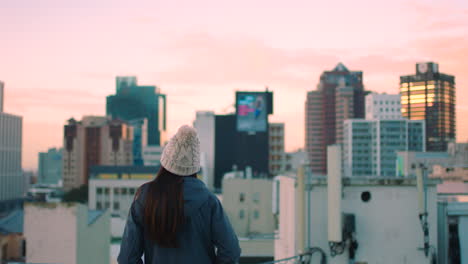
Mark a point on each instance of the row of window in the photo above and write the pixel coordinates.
(117, 191)
(256, 214)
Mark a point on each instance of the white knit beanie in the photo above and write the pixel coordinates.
(181, 155)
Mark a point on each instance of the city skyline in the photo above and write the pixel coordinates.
(61, 61)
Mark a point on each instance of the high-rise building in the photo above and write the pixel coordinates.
(370, 146)
(94, 141)
(50, 167)
(339, 96)
(11, 173)
(430, 95)
(383, 106)
(1, 96)
(277, 155)
(205, 125)
(134, 102)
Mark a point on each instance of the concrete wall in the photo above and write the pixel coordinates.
(51, 233)
(253, 214)
(387, 227)
(257, 247)
(93, 245)
(285, 244)
(205, 126)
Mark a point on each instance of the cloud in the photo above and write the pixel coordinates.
(203, 59)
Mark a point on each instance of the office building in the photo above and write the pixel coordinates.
(94, 141)
(1, 96)
(11, 173)
(66, 233)
(339, 96)
(383, 106)
(50, 167)
(295, 159)
(205, 125)
(370, 146)
(453, 161)
(134, 102)
(113, 188)
(430, 95)
(152, 155)
(140, 139)
(277, 156)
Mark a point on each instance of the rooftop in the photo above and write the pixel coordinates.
(12, 223)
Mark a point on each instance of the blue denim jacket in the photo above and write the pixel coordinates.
(207, 236)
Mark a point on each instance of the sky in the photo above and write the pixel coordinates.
(59, 58)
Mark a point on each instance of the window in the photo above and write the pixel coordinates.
(106, 190)
(99, 190)
(256, 197)
(132, 191)
(241, 214)
(106, 205)
(256, 214)
(98, 205)
(116, 191)
(124, 191)
(242, 197)
(116, 206)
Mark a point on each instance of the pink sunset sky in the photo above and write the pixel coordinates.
(59, 58)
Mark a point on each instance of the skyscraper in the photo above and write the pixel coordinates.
(50, 166)
(430, 95)
(95, 140)
(135, 102)
(370, 146)
(339, 96)
(11, 174)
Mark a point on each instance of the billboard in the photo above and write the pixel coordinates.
(252, 111)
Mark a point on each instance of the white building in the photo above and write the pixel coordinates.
(66, 233)
(383, 106)
(294, 160)
(205, 126)
(248, 204)
(387, 227)
(113, 188)
(276, 154)
(11, 174)
(152, 155)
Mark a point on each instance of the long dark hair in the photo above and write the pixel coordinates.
(164, 209)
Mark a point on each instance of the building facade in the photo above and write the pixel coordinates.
(11, 173)
(113, 188)
(133, 101)
(79, 235)
(94, 141)
(383, 106)
(152, 155)
(277, 156)
(430, 95)
(205, 125)
(248, 204)
(50, 167)
(370, 146)
(339, 96)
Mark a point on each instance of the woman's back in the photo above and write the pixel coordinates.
(205, 235)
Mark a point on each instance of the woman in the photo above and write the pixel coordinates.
(175, 218)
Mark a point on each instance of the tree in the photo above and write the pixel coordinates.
(79, 195)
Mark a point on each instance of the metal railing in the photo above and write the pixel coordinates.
(304, 258)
